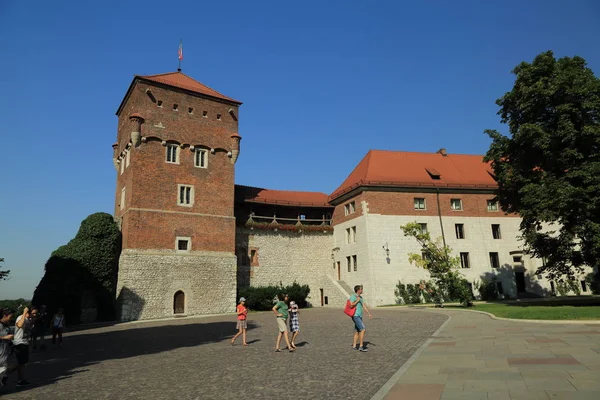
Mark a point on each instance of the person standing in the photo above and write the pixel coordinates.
(21, 342)
(356, 300)
(58, 324)
(38, 330)
(281, 311)
(242, 325)
(5, 344)
(294, 323)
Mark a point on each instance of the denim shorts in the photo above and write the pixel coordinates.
(358, 324)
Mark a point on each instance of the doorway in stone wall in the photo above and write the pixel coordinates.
(339, 271)
(179, 302)
(322, 298)
(520, 281)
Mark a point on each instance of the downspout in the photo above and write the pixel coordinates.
(437, 190)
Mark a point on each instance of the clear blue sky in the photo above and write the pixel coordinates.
(322, 83)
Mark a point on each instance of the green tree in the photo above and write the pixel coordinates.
(3, 274)
(438, 260)
(86, 267)
(548, 169)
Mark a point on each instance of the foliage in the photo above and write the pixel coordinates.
(562, 288)
(401, 293)
(88, 263)
(442, 266)
(488, 289)
(414, 294)
(16, 305)
(288, 227)
(262, 298)
(547, 169)
(593, 280)
(566, 286)
(3, 274)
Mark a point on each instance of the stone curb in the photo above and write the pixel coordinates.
(381, 393)
(540, 321)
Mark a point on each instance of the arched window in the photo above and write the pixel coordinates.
(179, 302)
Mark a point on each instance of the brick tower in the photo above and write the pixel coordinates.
(177, 144)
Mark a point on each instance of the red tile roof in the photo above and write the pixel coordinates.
(280, 197)
(398, 168)
(182, 81)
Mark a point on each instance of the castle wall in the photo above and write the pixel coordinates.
(287, 257)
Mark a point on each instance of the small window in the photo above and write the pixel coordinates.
(302, 217)
(353, 233)
(201, 159)
(190, 110)
(172, 153)
(159, 103)
(460, 231)
(419, 203)
(175, 107)
(122, 205)
(254, 258)
(183, 244)
(494, 260)
(218, 117)
(423, 228)
(496, 231)
(205, 114)
(464, 260)
(349, 263)
(186, 195)
(517, 259)
(583, 286)
(347, 235)
(424, 256)
(456, 204)
(492, 205)
(127, 158)
(355, 263)
(122, 166)
(349, 208)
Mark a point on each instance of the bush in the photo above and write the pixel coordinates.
(593, 280)
(401, 293)
(488, 289)
(414, 293)
(456, 288)
(262, 298)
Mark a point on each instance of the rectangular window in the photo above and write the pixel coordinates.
(122, 166)
(122, 205)
(201, 158)
(492, 205)
(456, 204)
(496, 231)
(347, 235)
(494, 260)
(464, 260)
(127, 158)
(352, 207)
(349, 208)
(353, 231)
(419, 203)
(186, 195)
(517, 259)
(348, 261)
(172, 153)
(355, 263)
(183, 244)
(423, 228)
(460, 231)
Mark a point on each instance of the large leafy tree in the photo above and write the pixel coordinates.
(3, 274)
(548, 168)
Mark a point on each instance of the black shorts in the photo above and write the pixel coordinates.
(22, 351)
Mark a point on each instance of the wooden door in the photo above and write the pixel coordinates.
(179, 303)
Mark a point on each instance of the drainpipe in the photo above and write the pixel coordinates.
(437, 190)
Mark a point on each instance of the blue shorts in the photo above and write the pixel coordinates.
(358, 324)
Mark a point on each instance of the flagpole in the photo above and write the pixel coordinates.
(180, 54)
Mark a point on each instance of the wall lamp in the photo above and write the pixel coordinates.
(387, 249)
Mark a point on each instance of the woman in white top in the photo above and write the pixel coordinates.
(58, 324)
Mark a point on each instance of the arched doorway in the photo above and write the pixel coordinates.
(179, 302)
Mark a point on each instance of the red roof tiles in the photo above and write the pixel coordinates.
(182, 81)
(397, 168)
(281, 197)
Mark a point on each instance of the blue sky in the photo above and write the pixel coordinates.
(322, 83)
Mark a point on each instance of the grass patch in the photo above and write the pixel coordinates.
(549, 312)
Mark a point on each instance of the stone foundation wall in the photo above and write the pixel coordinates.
(148, 281)
(286, 257)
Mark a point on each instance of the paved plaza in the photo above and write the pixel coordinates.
(414, 354)
(191, 358)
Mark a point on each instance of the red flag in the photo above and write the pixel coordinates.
(180, 51)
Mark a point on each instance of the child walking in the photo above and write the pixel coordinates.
(294, 324)
(242, 325)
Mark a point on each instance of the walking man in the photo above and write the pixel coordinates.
(21, 342)
(281, 311)
(357, 301)
(5, 344)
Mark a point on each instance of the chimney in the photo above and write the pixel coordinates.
(442, 151)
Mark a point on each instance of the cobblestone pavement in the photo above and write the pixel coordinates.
(475, 357)
(191, 358)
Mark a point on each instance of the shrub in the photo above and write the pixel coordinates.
(414, 293)
(593, 280)
(262, 298)
(488, 289)
(456, 288)
(401, 293)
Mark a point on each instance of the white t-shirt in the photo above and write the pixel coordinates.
(22, 334)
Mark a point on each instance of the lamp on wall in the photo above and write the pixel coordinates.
(387, 249)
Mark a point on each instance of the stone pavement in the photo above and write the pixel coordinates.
(191, 358)
(476, 357)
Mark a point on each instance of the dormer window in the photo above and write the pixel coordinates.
(433, 173)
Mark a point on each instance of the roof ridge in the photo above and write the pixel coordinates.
(425, 152)
(281, 190)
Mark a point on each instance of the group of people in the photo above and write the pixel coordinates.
(283, 312)
(29, 330)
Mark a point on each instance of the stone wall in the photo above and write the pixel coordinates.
(286, 257)
(148, 281)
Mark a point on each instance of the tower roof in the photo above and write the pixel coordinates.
(179, 80)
